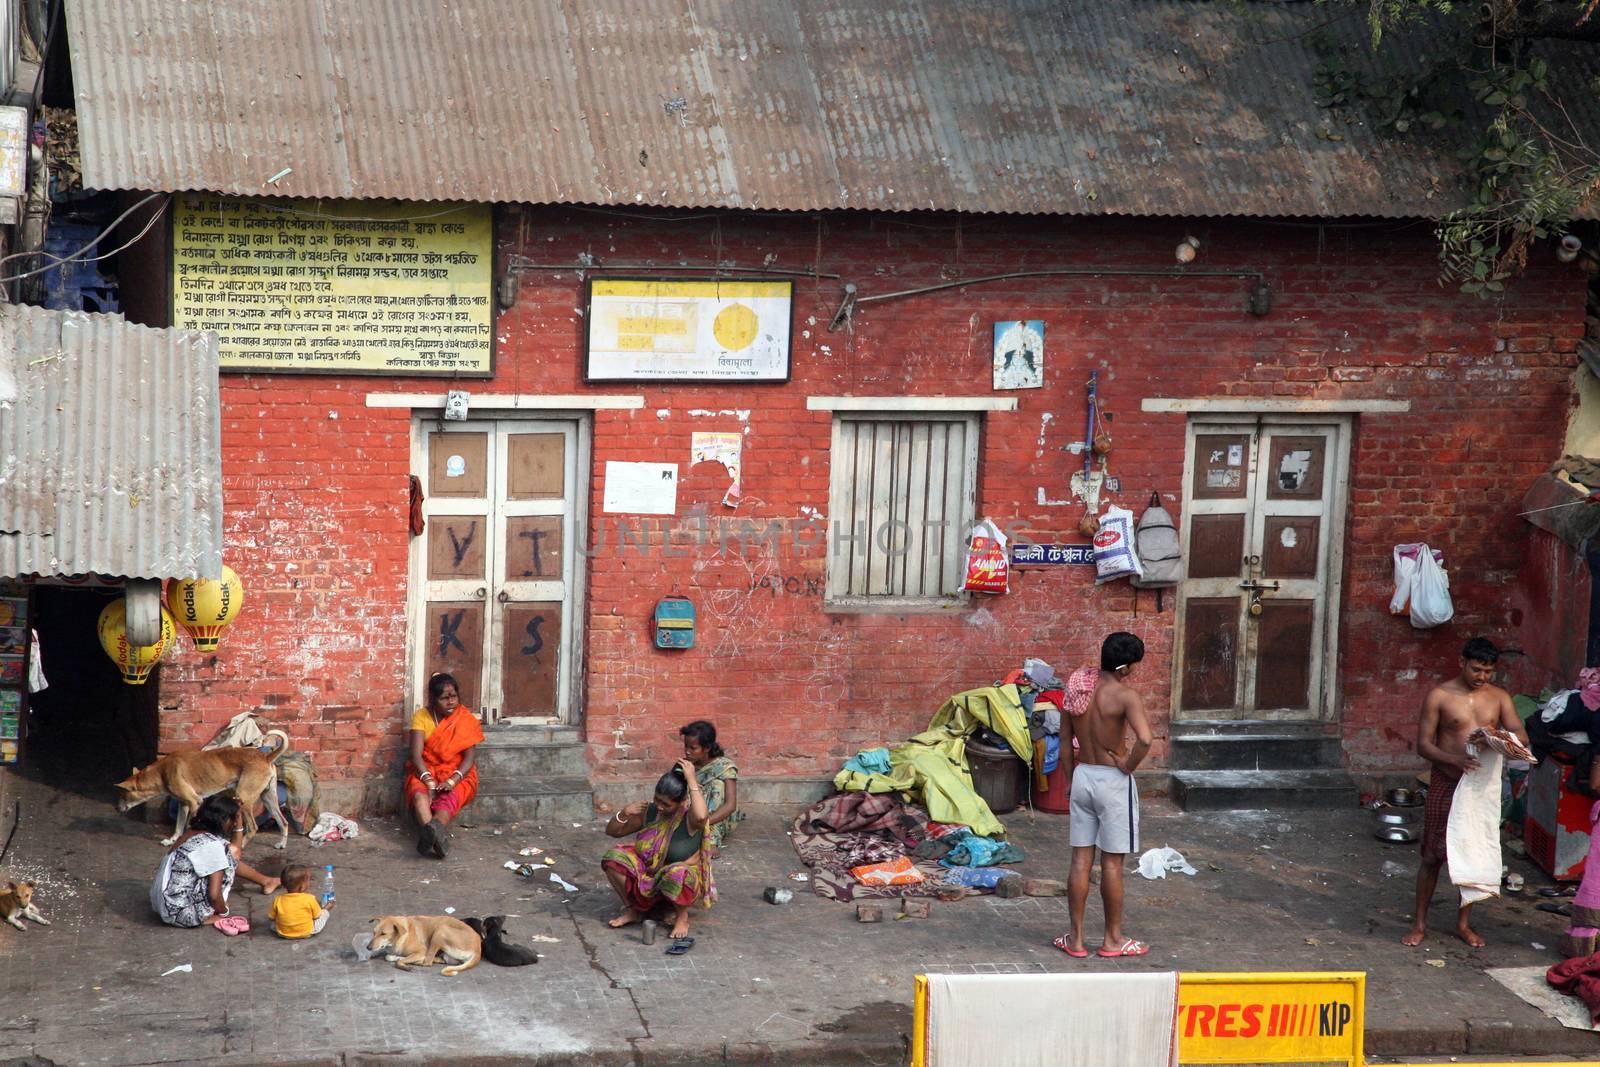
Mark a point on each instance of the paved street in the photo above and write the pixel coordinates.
(803, 983)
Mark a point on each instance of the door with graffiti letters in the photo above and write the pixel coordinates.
(495, 564)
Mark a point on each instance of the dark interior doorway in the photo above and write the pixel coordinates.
(88, 728)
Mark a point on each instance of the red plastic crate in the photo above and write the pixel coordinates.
(1557, 828)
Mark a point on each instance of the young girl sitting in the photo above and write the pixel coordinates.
(297, 913)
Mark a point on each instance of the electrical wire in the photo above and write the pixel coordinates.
(79, 254)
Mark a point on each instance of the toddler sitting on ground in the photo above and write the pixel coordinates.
(297, 913)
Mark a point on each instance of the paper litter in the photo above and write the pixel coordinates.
(544, 939)
(1158, 861)
(183, 967)
(531, 851)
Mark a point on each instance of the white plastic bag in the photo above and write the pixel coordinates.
(1158, 861)
(1430, 593)
(1405, 574)
(1114, 555)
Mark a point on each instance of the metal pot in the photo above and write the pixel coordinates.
(1404, 798)
(1397, 835)
(1396, 818)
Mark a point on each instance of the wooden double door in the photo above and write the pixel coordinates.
(494, 572)
(1263, 542)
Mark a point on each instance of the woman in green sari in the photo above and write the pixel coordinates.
(667, 862)
(718, 778)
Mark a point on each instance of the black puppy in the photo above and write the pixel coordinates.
(496, 949)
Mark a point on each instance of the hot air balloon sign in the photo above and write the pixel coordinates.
(134, 661)
(205, 606)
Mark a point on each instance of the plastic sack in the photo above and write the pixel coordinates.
(1405, 575)
(1430, 593)
(1158, 861)
(988, 563)
(1160, 561)
(1114, 555)
(894, 872)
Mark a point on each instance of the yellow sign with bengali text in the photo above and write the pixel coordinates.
(344, 286)
(712, 330)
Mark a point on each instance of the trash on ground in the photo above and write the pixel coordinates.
(1213, 866)
(562, 882)
(1536, 945)
(1313, 941)
(544, 939)
(1158, 861)
(1434, 963)
(531, 851)
(1391, 869)
(773, 895)
(801, 877)
(449, 911)
(550, 861)
(331, 826)
(184, 967)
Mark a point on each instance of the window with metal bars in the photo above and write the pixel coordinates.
(900, 500)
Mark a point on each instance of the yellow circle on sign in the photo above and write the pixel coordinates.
(735, 327)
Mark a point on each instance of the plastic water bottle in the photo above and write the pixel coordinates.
(327, 884)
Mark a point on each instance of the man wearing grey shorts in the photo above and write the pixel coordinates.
(1105, 801)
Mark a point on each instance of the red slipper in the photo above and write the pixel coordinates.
(1129, 947)
(1077, 954)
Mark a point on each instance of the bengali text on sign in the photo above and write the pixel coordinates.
(359, 287)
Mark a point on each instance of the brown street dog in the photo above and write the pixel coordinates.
(193, 776)
(16, 904)
(417, 940)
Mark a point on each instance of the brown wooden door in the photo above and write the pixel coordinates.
(1260, 527)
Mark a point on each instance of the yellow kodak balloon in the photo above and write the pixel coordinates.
(205, 606)
(134, 661)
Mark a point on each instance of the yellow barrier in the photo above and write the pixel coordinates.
(1250, 1018)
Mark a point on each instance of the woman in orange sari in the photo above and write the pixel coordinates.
(440, 776)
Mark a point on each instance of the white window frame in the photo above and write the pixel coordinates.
(842, 498)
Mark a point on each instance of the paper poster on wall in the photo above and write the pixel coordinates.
(642, 329)
(641, 488)
(1019, 354)
(723, 448)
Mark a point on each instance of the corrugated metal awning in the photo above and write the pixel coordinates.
(1082, 107)
(110, 447)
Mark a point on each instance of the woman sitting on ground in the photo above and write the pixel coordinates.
(440, 776)
(666, 864)
(718, 778)
(194, 880)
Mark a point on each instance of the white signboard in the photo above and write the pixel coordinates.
(13, 151)
(688, 331)
(641, 488)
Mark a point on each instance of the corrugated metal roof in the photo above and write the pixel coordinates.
(110, 447)
(1144, 107)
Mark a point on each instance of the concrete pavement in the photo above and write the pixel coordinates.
(802, 983)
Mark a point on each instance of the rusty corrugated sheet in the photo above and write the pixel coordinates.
(110, 447)
(1144, 107)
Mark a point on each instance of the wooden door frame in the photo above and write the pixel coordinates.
(574, 674)
(1335, 525)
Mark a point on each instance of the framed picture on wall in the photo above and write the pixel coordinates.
(688, 330)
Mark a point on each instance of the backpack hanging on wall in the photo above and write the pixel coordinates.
(1158, 548)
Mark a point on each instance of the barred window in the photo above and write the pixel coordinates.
(900, 503)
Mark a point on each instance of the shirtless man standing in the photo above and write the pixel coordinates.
(1450, 712)
(1105, 802)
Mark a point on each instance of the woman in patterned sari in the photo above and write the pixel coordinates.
(719, 780)
(667, 862)
(440, 777)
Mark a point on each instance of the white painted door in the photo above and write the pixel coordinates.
(494, 571)
(1262, 530)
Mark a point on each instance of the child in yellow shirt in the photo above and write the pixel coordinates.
(297, 913)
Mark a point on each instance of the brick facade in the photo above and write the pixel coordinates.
(316, 481)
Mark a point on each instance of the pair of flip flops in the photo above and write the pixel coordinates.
(1129, 947)
(1553, 908)
(680, 946)
(233, 925)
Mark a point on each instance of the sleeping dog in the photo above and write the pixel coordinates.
(496, 949)
(417, 940)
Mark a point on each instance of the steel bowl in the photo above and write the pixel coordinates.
(1397, 835)
(1404, 798)
(1396, 818)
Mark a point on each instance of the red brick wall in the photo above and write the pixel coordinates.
(316, 482)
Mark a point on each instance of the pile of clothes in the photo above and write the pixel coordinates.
(930, 769)
(1567, 725)
(863, 845)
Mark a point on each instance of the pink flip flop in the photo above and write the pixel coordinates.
(232, 925)
(1129, 947)
(1077, 954)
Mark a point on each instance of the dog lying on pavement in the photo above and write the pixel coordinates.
(417, 940)
(16, 904)
(496, 949)
(190, 777)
